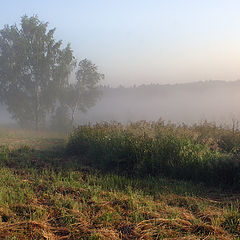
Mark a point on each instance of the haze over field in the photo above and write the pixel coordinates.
(4, 115)
(136, 43)
(120, 119)
(214, 101)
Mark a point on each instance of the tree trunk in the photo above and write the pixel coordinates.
(75, 109)
(73, 113)
(37, 107)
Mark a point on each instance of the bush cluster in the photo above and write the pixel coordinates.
(203, 152)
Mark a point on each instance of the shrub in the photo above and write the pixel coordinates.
(154, 149)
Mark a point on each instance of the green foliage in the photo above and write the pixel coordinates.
(154, 149)
(33, 66)
(84, 93)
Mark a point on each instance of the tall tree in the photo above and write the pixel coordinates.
(33, 66)
(84, 92)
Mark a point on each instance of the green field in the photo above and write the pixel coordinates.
(104, 182)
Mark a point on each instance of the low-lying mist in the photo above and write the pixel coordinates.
(5, 117)
(212, 101)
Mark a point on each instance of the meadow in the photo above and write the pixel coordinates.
(109, 181)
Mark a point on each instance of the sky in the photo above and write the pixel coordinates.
(138, 42)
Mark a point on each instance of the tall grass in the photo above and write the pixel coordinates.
(200, 153)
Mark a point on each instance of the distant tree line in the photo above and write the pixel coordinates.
(35, 75)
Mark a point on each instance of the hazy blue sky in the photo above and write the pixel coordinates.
(144, 41)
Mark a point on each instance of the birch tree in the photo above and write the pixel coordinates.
(84, 92)
(33, 67)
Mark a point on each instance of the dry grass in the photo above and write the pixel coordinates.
(60, 211)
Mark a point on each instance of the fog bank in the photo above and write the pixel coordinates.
(5, 117)
(216, 101)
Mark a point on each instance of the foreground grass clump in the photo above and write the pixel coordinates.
(199, 153)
